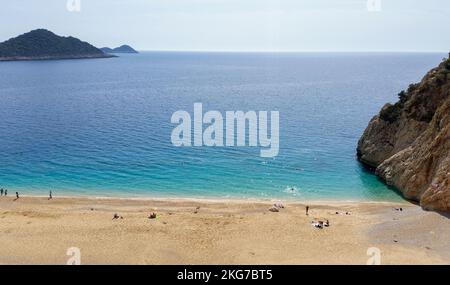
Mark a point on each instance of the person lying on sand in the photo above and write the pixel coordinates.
(342, 213)
(317, 224)
(274, 209)
(115, 217)
(320, 224)
(279, 205)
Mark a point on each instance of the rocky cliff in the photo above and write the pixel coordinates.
(408, 143)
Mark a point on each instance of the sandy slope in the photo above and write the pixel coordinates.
(36, 230)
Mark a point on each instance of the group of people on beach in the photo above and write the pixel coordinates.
(4, 192)
(320, 224)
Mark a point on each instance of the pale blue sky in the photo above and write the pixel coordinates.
(239, 25)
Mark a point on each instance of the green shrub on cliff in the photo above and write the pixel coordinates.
(441, 76)
(390, 112)
(402, 96)
(413, 87)
(447, 63)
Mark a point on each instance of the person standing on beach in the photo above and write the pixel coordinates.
(50, 195)
(1, 192)
(17, 195)
(6, 192)
(307, 210)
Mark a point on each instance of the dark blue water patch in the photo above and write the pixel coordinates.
(102, 126)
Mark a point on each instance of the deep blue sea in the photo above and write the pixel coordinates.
(102, 126)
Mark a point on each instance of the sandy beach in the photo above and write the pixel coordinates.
(35, 230)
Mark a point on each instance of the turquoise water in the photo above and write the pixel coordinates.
(102, 126)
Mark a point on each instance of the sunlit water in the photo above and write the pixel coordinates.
(102, 126)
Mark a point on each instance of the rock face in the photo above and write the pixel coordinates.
(408, 143)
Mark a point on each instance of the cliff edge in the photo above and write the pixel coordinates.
(408, 143)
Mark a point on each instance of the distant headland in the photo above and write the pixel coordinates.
(121, 49)
(42, 44)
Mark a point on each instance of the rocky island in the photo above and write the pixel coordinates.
(408, 143)
(42, 44)
(121, 49)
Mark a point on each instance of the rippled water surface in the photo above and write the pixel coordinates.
(102, 126)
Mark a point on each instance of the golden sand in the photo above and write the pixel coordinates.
(35, 230)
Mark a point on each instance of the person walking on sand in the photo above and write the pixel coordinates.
(50, 195)
(6, 192)
(307, 210)
(17, 195)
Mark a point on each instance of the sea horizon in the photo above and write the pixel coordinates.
(296, 51)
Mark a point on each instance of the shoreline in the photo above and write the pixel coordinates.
(35, 230)
(221, 199)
